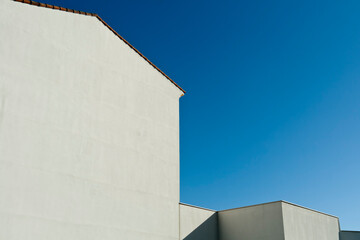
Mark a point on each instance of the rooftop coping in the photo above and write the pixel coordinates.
(261, 204)
(281, 201)
(107, 25)
(193, 206)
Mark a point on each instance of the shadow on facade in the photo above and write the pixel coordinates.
(349, 235)
(208, 230)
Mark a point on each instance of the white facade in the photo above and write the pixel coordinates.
(89, 142)
(301, 223)
(198, 223)
(252, 223)
(89, 132)
(269, 221)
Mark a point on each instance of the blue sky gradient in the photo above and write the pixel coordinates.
(272, 109)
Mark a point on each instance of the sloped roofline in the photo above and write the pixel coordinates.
(261, 204)
(194, 206)
(107, 25)
(280, 201)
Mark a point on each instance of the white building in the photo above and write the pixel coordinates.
(89, 142)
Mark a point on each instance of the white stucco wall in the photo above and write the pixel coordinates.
(197, 223)
(301, 223)
(89, 132)
(258, 222)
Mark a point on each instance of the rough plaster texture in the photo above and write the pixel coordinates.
(259, 222)
(89, 132)
(197, 223)
(301, 223)
(349, 235)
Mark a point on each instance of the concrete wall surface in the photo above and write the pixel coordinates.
(349, 235)
(89, 132)
(198, 223)
(259, 222)
(301, 223)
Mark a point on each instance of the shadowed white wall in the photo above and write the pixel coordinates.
(349, 235)
(197, 223)
(89, 132)
(258, 222)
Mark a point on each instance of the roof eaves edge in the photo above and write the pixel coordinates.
(138, 52)
(30, 2)
(194, 206)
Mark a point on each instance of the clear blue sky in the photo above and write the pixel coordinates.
(272, 109)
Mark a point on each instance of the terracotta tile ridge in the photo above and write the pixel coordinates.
(55, 7)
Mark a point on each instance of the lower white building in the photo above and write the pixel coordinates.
(269, 221)
(89, 142)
